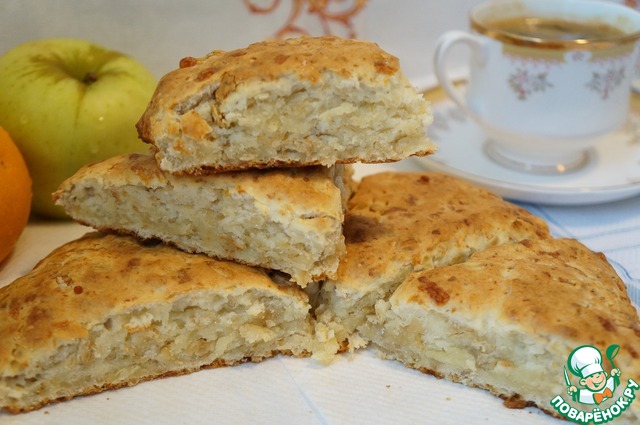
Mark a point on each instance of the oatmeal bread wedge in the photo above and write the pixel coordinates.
(398, 223)
(301, 101)
(508, 319)
(108, 311)
(283, 219)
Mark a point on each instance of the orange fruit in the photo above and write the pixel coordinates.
(15, 194)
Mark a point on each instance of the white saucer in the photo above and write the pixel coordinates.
(612, 172)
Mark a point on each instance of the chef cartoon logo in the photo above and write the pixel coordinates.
(596, 384)
(594, 387)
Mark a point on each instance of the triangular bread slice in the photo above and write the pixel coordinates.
(108, 311)
(397, 223)
(509, 317)
(288, 220)
(296, 102)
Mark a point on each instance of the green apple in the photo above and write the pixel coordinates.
(69, 102)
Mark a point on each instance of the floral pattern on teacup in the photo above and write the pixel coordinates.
(444, 119)
(617, 54)
(604, 83)
(524, 83)
(534, 68)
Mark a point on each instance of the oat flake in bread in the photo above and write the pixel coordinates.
(397, 223)
(508, 318)
(283, 219)
(107, 311)
(301, 101)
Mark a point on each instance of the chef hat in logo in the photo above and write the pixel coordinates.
(585, 361)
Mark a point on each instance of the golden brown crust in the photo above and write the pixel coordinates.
(283, 219)
(415, 218)
(298, 102)
(546, 287)
(510, 401)
(107, 387)
(515, 401)
(556, 294)
(99, 275)
(309, 186)
(305, 57)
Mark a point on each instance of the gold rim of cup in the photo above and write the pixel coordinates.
(527, 41)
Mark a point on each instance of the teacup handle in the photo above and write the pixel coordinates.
(443, 47)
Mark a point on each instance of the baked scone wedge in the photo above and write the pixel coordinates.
(107, 311)
(301, 101)
(397, 223)
(508, 320)
(283, 219)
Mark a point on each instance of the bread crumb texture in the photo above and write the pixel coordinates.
(301, 101)
(108, 311)
(288, 220)
(507, 319)
(399, 223)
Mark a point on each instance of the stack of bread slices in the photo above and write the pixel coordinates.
(208, 241)
(241, 236)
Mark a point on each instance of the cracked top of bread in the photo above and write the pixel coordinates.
(306, 57)
(544, 287)
(424, 220)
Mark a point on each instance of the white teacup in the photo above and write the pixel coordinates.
(543, 99)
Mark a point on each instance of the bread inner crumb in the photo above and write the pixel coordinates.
(192, 332)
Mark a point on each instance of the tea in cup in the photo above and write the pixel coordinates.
(547, 78)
